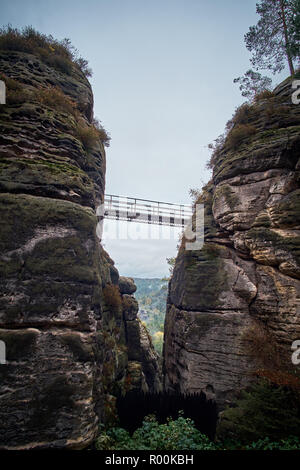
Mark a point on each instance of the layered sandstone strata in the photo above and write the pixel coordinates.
(61, 312)
(245, 282)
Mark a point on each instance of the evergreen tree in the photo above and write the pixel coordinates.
(253, 83)
(265, 410)
(295, 32)
(275, 38)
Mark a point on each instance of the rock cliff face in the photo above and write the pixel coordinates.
(235, 303)
(143, 370)
(63, 316)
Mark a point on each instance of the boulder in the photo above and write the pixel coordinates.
(127, 285)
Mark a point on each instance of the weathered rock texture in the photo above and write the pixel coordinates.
(61, 313)
(143, 361)
(243, 287)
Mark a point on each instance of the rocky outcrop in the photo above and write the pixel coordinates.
(143, 362)
(61, 310)
(127, 285)
(246, 279)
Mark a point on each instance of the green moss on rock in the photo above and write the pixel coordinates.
(230, 197)
(271, 238)
(199, 278)
(287, 212)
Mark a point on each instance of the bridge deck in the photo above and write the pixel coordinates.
(146, 211)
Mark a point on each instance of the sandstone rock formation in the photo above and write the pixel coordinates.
(127, 285)
(61, 312)
(243, 287)
(143, 361)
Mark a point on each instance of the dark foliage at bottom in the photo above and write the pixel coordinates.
(134, 406)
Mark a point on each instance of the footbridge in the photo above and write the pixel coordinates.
(146, 211)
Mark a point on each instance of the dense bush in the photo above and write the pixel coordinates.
(242, 115)
(264, 95)
(237, 129)
(264, 411)
(179, 434)
(102, 134)
(216, 148)
(112, 297)
(291, 443)
(89, 135)
(58, 54)
(238, 134)
(166, 405)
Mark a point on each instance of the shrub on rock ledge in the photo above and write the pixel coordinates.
(58, 54)
(266, 410)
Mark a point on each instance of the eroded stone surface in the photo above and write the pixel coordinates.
(67, 344)
(247, 274)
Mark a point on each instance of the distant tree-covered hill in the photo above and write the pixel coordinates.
(151, 295)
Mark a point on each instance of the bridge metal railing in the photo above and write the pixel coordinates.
(146, 211)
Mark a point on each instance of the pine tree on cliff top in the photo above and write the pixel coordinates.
(295, 33)
(272, 40)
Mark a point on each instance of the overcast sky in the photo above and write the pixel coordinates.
(163, 87)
